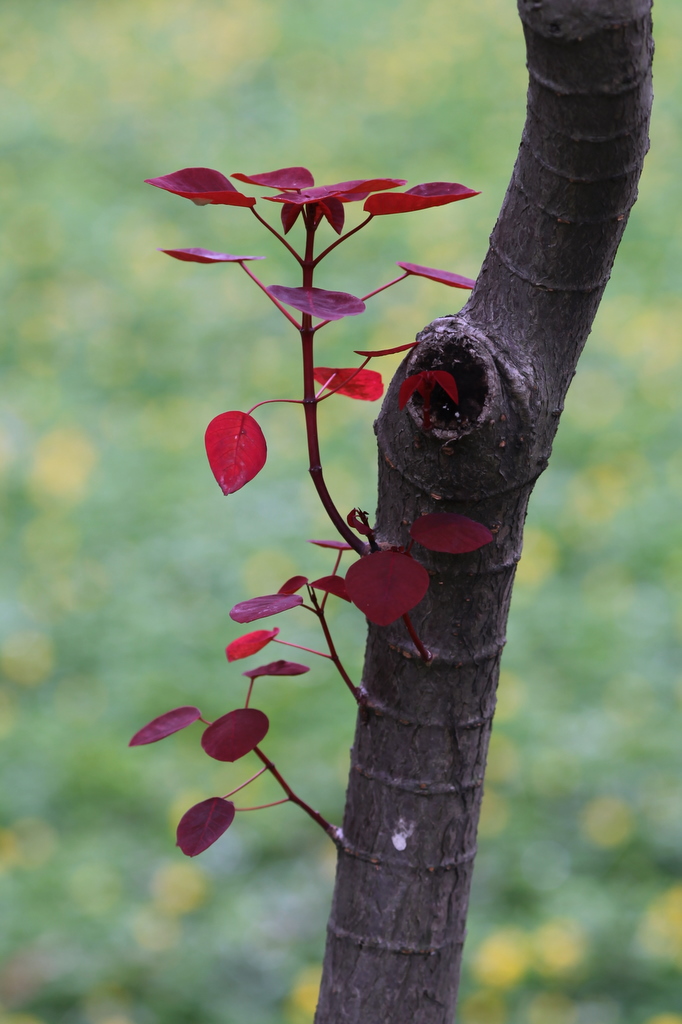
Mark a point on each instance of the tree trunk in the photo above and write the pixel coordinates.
(396, 930)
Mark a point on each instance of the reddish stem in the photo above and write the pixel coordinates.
(337, 563)
(276, 234)
(261, 807)
(252, 779)
(330, 829)
(250, 691)
(319, 611)
(370, 294)
(341, 239)
(300, 648)
(424, 654)
(272, 298)
(269, 401)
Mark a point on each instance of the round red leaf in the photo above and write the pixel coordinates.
(386, 584)
(421, 197)
(366, 385)
(207, 256)
(203, 186)
(235, 734)
(277, 668)
(202, 824)
(165, 725)
(236, 449)
(319, 302)
(335, 585)
(260, 607)
(285, 177)
(250, 643)
(442, 276)
(293, 584)
(446, 531)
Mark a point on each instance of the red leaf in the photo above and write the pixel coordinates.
(421, 197)
(235, 734)
(277, 668)
(442, 276)
(335, 585)
(358, 185)
(260, 607)
(207, 256)
(408, 388)
(250, 643)
(293, 584)
(334, 212)
(236, 449)
(359, 521)
(366, 385)
(447, 382)
(290, 215)
(338, 545)
(446, 531)
(386, 584)
(203, 186)
(285, 177)
(319, 302)
(387, 351)
(202, 824)
(165, 725)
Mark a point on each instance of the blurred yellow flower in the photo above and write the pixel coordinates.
(551, 1008)
(494, 814)
(539, 559)
(27, 657)
(511, 694)
(661, 930)
(607, 821)
(179, 888)
(502, 959)
(559, 946)
(62, 463)
(503, 759)
(665, 1018)
(483, 1008)
(302, 1001)
(154, 931)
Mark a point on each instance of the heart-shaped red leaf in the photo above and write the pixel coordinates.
(293, 584)
(319, 302)
(447, 531)
(236, 449)
(421, 197)
(387, 351)
(277, 668)
(366, 385)
(385, 585)
(338, 545)
(250, 643)
(260, 607)
(290, 215)
(202, 824)
(335, 585)
(285, 177)
(333, 210)
(408, 388)
(447, 382)
(203, 186)
(235, 734)
(442, 276)
(165, 725)
(207, 256)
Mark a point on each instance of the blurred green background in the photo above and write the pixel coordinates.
(121, 558)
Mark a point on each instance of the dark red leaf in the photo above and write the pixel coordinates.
(165, 725)
(207, 256)
(387, 351)
(319, 302)
(366, 385)
(250, 643)
(346, 191)
(236, 449)
(421, 197)
(203, 186)
(408, 388)
(202, 824)
(290, 215)
(335, 585)
(293, 584)
(333, 210)
(446, 531)
(277, 668)
(285, 177)
(447, 382)
(338, 545)
(235, 734)
(442, 276)
(359, 521)
(260, 607)
(386, 584)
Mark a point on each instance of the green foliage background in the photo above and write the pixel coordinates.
(121, 558)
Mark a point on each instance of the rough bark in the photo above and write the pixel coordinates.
(396, 930)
